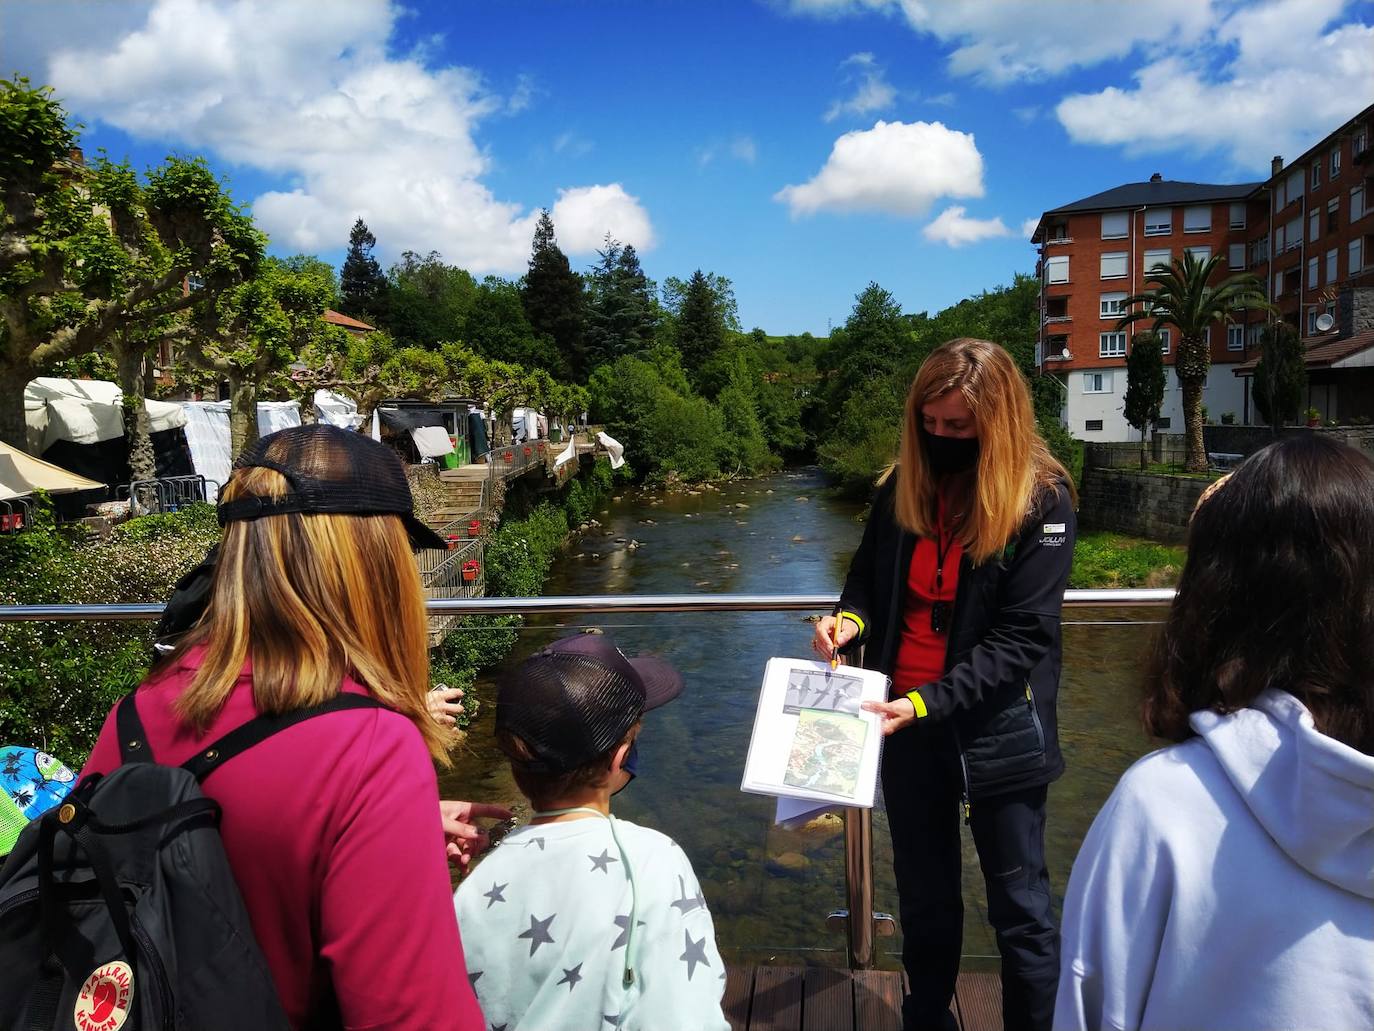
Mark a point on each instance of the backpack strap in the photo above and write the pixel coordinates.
(133, 739)
(215, 755)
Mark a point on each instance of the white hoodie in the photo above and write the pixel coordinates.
(1228, 883)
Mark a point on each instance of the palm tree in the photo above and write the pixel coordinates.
(1182, 298)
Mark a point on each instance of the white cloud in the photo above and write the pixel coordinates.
(585, 214)
(1001, 41)
(872, 92)
(1287, 81)
(741, 148)
(571, 144)
(953, 227)
(311, 93)
(1028, 226)
(895, 167)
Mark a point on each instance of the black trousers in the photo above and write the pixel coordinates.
(922, 787)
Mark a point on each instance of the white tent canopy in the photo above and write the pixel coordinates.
(207, 432)
(336, 410)
(22, 474)
(85, 411)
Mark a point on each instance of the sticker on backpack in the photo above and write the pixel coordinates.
(105, 999)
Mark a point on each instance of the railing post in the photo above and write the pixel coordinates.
(858, 886)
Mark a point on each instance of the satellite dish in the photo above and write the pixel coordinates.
(1065, 354)
(1325, 322)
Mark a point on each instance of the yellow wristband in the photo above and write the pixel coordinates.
(918, 703)
(852, 617)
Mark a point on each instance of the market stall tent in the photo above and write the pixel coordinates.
(22, 474)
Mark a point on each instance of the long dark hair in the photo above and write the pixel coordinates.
(1277, 591)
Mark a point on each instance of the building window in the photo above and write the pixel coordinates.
(1280, 195)
(1259, 250)
(1360, 143)
(1153, 258)
(1111, 345)
(1238, 216)
(1058, 345)
(1092, 425)
(1333, 214)
(1059, 232)
(194, 282)
(1252, 334)
(1295, 186)
(1159, 221)
(1110, 306)
(1165, 338)
(1197, 219)
(1356, 261)
(1114, 265)
(1115, 225)
(1163, 423)
(1331, 265)
(1235, 256)
(1314, 273)
(1057, 269)
(1316, 174)
(1312, 322)
(1201, 255)
(1314, 226)
(1356, 202)
(1235, 338)
(1278, 284)
(1097, 382)
(1335, 163)
(1292, 234)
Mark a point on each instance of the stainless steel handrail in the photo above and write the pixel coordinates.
(859, 918)
(567, 606)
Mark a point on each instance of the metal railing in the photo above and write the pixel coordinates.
(860, 923)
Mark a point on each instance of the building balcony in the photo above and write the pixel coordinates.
(1051, 320)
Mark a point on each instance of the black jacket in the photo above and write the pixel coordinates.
(1002, 667)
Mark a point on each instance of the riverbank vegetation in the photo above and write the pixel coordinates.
(1106, 560)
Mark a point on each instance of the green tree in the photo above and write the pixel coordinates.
(94, 258)
(555, 301)
(1280, 381)
(1145, 382)
(256, 331)
(622, 311)
(497, 327)
(1184, 297)
(363, 286)
(874, 341)
(701, 320)
(427, 300)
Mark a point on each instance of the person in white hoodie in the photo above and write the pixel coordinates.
(1228, 882)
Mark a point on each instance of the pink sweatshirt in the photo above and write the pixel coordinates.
(333, 833)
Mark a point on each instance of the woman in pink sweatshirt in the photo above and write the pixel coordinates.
(332, 825)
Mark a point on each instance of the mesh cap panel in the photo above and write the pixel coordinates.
(568, 708)
(330, 470)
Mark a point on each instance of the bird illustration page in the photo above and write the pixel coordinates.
(812, 740)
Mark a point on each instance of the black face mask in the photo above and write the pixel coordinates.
(950, 454)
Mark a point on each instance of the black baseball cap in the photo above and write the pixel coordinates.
(330, 469)
(576, 699)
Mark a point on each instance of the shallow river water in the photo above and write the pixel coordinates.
(770, 889)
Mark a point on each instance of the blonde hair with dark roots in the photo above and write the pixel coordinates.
(312, 598)
(1015, 467)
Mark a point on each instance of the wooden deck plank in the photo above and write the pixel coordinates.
(980, 1001)
(739, 992)
(777, 999)
(878, 1000)
(828, 1000)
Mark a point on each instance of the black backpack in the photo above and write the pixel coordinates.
(118, 909)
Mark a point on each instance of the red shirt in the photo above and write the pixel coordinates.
(932, 577)
(332, 830)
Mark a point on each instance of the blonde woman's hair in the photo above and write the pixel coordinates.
(312, 599)
(1015, 467)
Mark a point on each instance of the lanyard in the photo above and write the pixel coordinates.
(629, 977)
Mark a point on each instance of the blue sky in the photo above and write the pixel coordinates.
(800, 147)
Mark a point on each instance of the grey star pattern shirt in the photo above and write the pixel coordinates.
(544, 932)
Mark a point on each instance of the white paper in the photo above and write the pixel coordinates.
(793, 812)
(812, 740)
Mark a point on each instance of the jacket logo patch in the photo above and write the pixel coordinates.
(104, 1002)
(1055, 527)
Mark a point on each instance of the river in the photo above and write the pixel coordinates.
(770, 889)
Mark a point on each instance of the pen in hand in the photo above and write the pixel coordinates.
(835, 643)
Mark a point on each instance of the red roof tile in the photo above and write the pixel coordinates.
(340, 319)
(1322, 352)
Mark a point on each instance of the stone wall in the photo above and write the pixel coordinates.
(1140, 504)
(1246, 440)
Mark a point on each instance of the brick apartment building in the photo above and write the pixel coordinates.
(1304, 233)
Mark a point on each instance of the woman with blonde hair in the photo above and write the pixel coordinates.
(955, 592)
(332, 825)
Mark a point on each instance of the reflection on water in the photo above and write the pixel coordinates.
(770, 889)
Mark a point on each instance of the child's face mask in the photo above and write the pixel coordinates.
(629, 766)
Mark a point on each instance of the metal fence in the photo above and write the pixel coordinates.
(1157, 460)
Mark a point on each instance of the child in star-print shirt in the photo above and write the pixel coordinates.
(580, 921)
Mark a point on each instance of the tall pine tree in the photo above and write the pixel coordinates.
(623, 313)
(553, 299)
(362, 286)
(700, 323)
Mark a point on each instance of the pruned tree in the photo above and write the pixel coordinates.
(94, 258)
(1183, 296)
(1145, 382)
(1280, 380)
